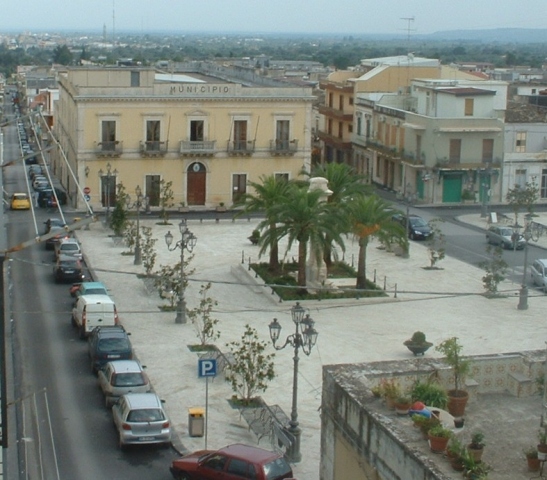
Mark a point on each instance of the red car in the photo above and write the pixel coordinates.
(233, 462)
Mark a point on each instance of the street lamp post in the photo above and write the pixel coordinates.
(303, 338)
(408, 198)
(188, 241)
(138, 204)
(531, 231)
(109, 174)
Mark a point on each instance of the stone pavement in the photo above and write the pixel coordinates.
(442, 303)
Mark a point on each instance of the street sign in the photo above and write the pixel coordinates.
(87, 190)
(87, 198)
(207, 367)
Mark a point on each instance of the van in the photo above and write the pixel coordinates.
(92, 311)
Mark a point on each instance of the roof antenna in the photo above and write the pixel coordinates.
(408, 29)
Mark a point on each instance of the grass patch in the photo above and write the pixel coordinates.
(167, 308)
(240, 403)
(283, 282)
(202, 348)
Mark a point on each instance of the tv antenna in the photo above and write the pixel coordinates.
(410, 21)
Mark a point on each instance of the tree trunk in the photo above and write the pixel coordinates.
(302, 250)
(362, 264)
(274, 250)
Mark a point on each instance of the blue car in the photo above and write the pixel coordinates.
(88, 288)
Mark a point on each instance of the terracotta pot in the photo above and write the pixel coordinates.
(475, 453)
(437, 444)
(457, 400)
(457, 464)
(402, 408)
(533, 464)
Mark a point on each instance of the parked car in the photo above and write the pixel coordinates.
(88, 288)
(92, 311)
(46, 198)
(233, 461)
(120, 377)
(68, 246)
(538, 271)
(108, 343)
(20, 201)
(59, 234)
(53, 222)
(141, 419)
(418, 228)
(504, 237)
(41, 185)
(67, 269)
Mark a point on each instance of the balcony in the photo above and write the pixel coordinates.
(336, 142)
(153, 149)
(241, 148)
(335, 113)
(283, 147)
(109, 149)
(197, 149)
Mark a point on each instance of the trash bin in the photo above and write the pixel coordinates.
(196, 421)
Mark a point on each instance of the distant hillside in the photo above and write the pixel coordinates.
(497, 35)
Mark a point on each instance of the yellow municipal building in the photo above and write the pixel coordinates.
(205, 130)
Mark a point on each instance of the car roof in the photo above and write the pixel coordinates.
(68, 258)
(69, 240)
(125, 366)
(95, 299)
(85, 285)
(143, 400)
(248, 452)
(543, 261)
(20, 195)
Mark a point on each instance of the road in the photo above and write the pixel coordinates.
(63, 429)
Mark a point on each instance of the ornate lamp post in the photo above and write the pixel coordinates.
(409, 199)
(531, 231)
(188, 242)
(485, 179)
(138, 204)
(109, 174)
(303, 338)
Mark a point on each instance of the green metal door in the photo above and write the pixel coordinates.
(452, 188)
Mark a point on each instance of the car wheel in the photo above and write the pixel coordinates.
(412, 236)
(93, 369)
(107, 401)
(182, 476)
(121, 445)
(82, 333)
(72, 320)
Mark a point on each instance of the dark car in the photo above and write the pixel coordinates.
(107, 344)
(418, 228)
(46, 198)
(233, 461)
(60, 233)
(68, 269)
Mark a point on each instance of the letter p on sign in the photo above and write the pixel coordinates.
(207, 367)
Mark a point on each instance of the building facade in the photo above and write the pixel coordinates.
(203, 131)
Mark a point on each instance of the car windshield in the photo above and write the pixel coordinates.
(69, 264)
(129, 379)
(277, 469)
(506, 232)
(417, 222)
(20, 196)
(146, 415)
(95, 291)
(117, 344)
(69, 246)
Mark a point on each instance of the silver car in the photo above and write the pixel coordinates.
(538, 271)
(120, 377)
(504, 237)
(141, 419)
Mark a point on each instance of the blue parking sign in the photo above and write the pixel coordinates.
(207, 367)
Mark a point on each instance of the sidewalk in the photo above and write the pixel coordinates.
(442, 303)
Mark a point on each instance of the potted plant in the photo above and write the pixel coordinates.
(476, 447)
(430, 393)
(221, 207)
(183, 207)
(531, 454)
(454, 452)
(402, 404)
(542, 445)
(417, 344)
(390, 391)
(425, 423)
(255, 237)
(474, 470)
(457, 397)
(438, 438)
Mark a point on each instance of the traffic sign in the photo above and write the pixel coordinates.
(87, 198)
(207, 367)
(87, 190)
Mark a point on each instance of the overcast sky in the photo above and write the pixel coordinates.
(264, 16)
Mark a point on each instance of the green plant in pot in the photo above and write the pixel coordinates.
(455, 450)
(430, 393)
(254, 237)
(417, 344)
(542, 445)
(531, 454)
(402, 404)
(438, 438)
(457, 397)
(476, 446)
(472, 469)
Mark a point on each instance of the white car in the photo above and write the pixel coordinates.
(120, 377)
(69, 247)
(141, 419)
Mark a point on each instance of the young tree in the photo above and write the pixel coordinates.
(130, 235)
(148, 253)
(201, 317)
(436, 243)
(495, 269)
(166, 200)
(520, 198)
(252, 368)
(168, 278)
(118, 219)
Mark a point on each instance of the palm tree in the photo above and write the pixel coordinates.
(344, 184)
(266, 196)
(304, 217)
(373, 217)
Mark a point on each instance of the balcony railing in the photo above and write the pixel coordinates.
(238, 147)
(153, 148)
(109, 149)
(203, 148)
(283, 147)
